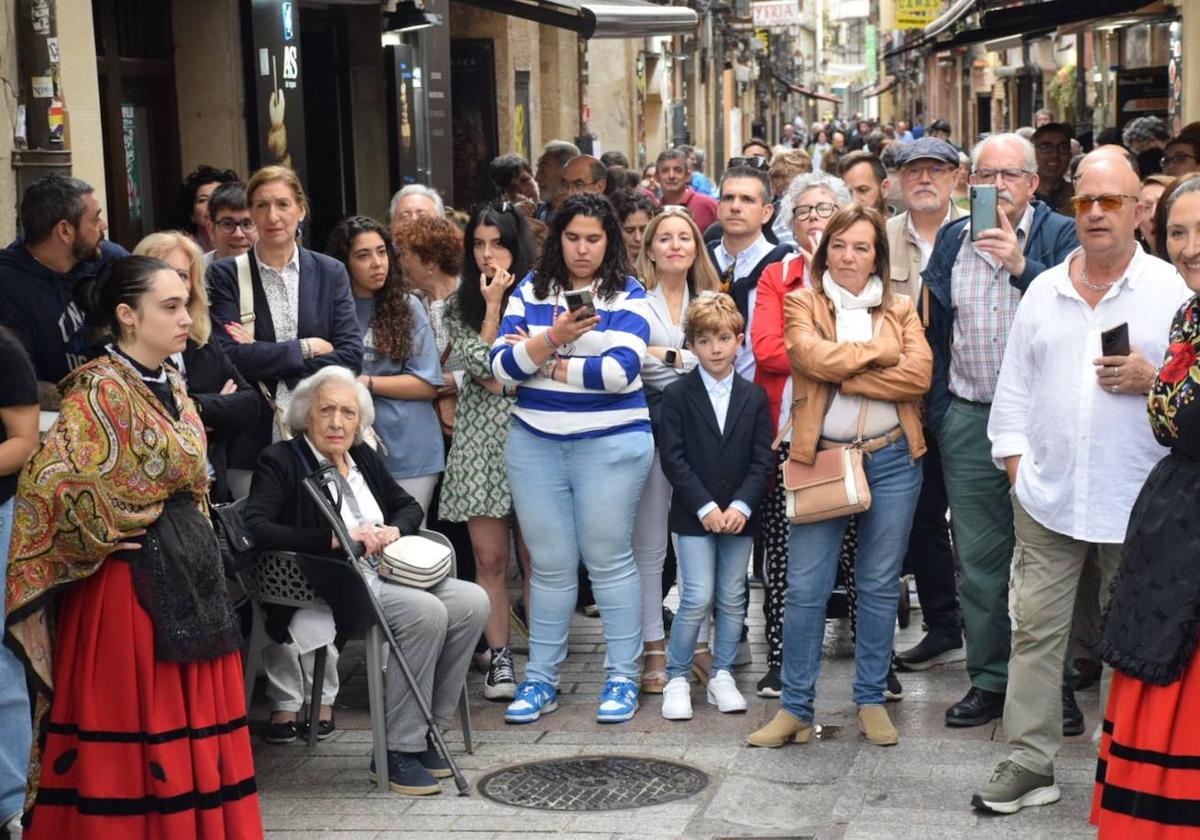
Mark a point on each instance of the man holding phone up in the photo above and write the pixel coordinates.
(974, 287)
(1068, 426)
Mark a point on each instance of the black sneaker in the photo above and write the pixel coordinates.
(771, 685)
(894, 691)
(325, 728)
(285, 732)
(934, 649)
(978, 707)
(433, 761)
(407, 775)
(500, 682)
(1072, 716)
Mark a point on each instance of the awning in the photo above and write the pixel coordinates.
(816, 94)
(882, 86)
(1039, 18)
(599, 18)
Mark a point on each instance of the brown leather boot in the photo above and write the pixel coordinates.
(874, 723)
(783, 727)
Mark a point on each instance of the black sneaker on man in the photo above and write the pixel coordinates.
(1072, 715)
(894, 691)
(407, 775)
(935, 649)
(978, 707)
(771, 685)
(1012, 788)
(501, 681)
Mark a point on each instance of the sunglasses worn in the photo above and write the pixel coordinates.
(1109, 202)
(753, 161)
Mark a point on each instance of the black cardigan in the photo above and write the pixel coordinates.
(283, 517)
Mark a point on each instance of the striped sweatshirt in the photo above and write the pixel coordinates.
(603, 392)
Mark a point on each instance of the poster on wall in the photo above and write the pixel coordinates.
(279, 103)
(473, 116)
(521, 126)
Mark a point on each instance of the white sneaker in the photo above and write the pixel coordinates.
(677, 700)
(723, 693)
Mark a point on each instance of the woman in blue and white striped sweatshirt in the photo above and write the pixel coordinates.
(579, 448)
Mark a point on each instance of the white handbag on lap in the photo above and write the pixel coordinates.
(415, 561)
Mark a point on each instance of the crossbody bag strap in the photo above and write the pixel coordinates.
(245, 292)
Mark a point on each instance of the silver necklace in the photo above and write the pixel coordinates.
(1092, 286)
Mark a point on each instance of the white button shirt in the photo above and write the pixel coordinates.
(719, 391)
(743, 264)
(1085, 451)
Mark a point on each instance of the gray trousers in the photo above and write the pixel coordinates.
(1046, 570)
(437, 629)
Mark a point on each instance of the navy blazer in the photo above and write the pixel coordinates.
(326, 311)
(705, 465)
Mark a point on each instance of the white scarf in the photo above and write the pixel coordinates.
(853, 312)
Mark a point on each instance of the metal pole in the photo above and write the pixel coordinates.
(41, 102)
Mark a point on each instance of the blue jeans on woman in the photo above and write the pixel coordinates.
(578, 498)
(712, 572)
(895, 483)
(16, 731)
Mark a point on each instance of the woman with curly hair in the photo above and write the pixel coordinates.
(192, 201)
(400, 359)
(579, 446)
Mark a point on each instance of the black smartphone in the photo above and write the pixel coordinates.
(983, 209)
(578, 299)
(1115, 341)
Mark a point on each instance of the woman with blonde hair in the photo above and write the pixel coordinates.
(675, 271)
(226, 402)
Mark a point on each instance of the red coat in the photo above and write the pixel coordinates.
(773, 369)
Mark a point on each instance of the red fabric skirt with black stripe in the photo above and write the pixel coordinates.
(1148, 775)
(135, 747)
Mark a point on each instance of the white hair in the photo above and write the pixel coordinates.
(806, 181)
(1028, 155)
(296, 415)
(417, 189)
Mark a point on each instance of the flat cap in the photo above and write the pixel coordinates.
(931, 148)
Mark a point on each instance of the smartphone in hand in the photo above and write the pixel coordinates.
(1115, 341)
(983, 209)
(579, 301)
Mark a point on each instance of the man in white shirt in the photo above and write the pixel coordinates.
(1068, 424)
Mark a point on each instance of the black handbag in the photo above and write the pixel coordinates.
(235, 540)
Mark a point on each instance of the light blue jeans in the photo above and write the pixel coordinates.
(578, 498)
(895, 483)
(712, 575)
(16, 731)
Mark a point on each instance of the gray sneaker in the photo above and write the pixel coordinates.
(1012, 788)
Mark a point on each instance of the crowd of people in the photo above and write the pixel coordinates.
(622, 383)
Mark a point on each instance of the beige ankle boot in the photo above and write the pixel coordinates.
(874, 723)
(783, 727)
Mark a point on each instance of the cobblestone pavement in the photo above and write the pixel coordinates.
(836, 788)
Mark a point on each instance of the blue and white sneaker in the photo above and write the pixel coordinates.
(618, 700)
(533, 699)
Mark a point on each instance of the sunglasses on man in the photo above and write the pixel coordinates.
(753, 161)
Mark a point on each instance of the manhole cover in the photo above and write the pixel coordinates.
(594, 783)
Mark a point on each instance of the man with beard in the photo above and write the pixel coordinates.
(63, 244)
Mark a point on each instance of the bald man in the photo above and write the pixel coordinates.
(1068, 426)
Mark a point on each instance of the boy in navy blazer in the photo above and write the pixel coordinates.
(715, 443)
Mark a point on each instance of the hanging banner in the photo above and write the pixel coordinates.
(916, 14)
(279, 103)
(776, 13)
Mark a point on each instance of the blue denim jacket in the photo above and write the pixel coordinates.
(1051, 238)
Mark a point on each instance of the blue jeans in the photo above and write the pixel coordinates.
(15, 728)
(713, 577)
(895, 483)
(578, 498)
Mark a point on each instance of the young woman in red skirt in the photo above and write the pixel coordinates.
(1148, 776)
(139, 693)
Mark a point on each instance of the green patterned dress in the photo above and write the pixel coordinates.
(475, 482)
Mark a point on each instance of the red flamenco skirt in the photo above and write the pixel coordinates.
(138, 748)
(1148, 774)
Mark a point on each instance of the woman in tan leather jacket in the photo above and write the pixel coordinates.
(860, 365)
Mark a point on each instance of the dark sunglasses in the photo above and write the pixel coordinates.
(753, 161)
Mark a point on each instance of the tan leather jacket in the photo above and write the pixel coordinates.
(896, 366)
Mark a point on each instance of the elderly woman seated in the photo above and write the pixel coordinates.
(437, 627)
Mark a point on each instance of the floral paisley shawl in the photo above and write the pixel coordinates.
(99, 477)
(1178, 379)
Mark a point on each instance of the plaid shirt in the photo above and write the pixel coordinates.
(985, 304)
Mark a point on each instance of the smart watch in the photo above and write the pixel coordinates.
(671, 357)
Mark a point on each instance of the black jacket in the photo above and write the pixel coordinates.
(704, 465)
(206, 370)
(281, 516)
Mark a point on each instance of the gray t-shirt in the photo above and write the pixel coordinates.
(408, 428)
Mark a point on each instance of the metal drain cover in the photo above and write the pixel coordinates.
(593, 783)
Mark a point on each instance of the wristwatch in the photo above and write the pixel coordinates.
(671, 358)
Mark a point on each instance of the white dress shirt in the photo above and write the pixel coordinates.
(719, 391)
(1085, 451)
(281, 287)
(743, 264)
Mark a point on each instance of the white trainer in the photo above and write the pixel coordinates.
(723, 693)
(677, 699)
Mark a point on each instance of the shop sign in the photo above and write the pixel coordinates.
(776, 13)
(1141, 93)
(278, 86)
(871, 44)
(916, 14)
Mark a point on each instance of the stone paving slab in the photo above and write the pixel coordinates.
(837, 787)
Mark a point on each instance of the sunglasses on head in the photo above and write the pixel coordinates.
(753, 161)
